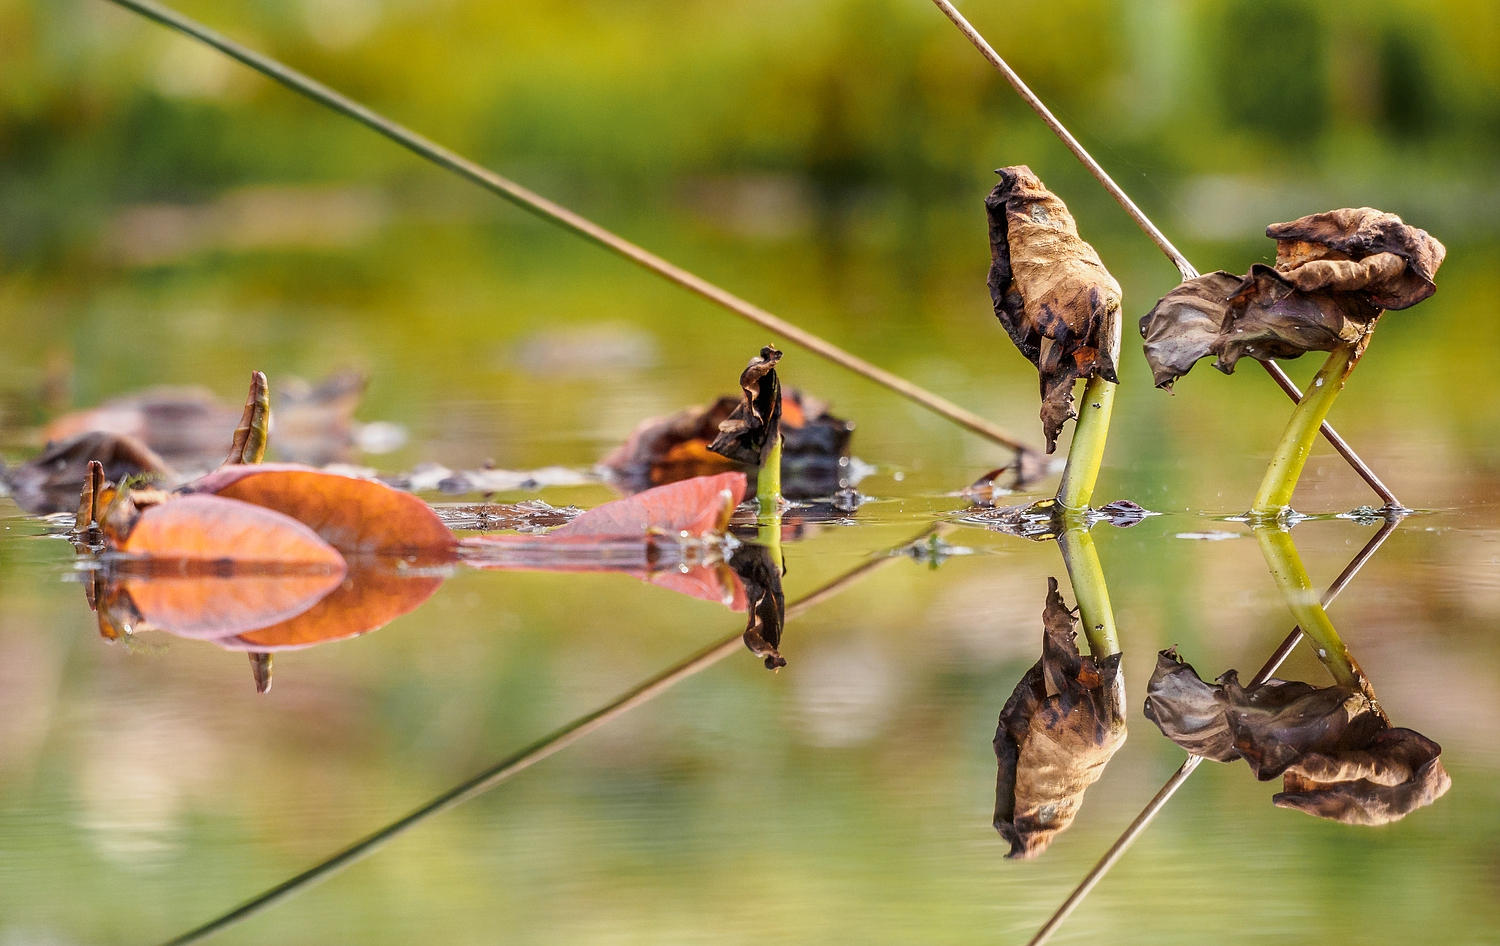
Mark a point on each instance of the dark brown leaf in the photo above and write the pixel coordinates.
(1051, 291)
(52, 481)
(1057, 731)
(1336, 751)
(1335, 273)
(751, 430)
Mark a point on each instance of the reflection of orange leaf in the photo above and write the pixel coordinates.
(371, 596)
(214, 566)
(353, 515)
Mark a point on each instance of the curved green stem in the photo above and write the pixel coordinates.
(768, 499)
(1302, 600)
(1092, 594)
(1087, 450)
(1275, 494)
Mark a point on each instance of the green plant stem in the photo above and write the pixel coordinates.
(1089, 589)
(1302, 600)
(1087, 450)
(768, 498)
(1275, 494)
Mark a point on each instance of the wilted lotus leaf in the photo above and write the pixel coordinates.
(50, 482)
(751, 429)
(815, 448)
(353, 515)
(1336, 751)
(1051, 291)
(1057, 731)
(1335, 273)
(766, 604)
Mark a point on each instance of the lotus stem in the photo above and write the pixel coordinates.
(768, 498)
(1275, 494)
(1087, 450)
(1089, 589)
(1303, 601)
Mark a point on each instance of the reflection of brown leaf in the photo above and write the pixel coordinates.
(750, 431)
(1337, 753)
(1057, 731)
(766, 604)
(351, 514)
(374, 594)
(51, 482)
(1052, 293)
(208, 567)
(1334, 274)
(667, 449)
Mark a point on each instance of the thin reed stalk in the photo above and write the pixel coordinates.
(514, 764)
(1184, 267)
(568, 220)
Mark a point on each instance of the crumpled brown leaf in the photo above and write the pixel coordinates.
(814, 453)
(766, 611)
(1058, 730)
(1335, 273)
(1337, 754)
(1051, 291)
(750, 431)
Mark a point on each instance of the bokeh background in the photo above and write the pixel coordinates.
(166, 216)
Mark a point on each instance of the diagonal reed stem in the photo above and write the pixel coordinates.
(568, 220)
(548, 745)
(1153, 807)
(1184, 267)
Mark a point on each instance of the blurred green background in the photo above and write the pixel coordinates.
(168, 217)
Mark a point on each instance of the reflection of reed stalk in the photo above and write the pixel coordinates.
(568, 220)
(1296, 588)
(1184, 267)
(1179, 778)
(1086, 452)
(1089, 590)
(534, 753)
(1275, 494)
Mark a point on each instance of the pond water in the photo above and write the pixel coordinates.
(145, 787)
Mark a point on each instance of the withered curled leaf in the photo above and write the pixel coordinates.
(750, 431)
(51, 481)
(814, 457)
(1058, 730)
(1051, 291)
(1337, 754)
(766, 604)
(1335, 273)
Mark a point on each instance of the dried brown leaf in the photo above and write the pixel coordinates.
(750, 431)
(52, 481)
(1051, 291)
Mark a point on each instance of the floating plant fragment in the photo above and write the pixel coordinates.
(1051, 292)
(1337, 754)
(1335, 273)
(1058, 730)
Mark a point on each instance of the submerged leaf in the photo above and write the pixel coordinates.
(352, 514)
(1335, 273)
(1335, 750)
(814, 457)
(1051, 291)
(751, 429)
(1057, 731)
